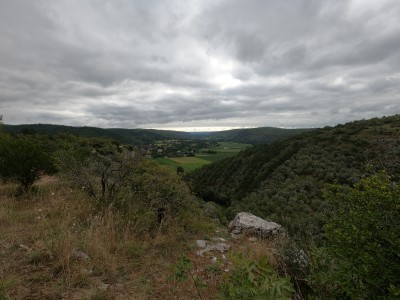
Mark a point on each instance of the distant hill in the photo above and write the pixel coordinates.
(126, 136)
(285, 181)
(137, 136)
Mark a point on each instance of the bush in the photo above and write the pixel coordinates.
(101, 172)
(141, 191)
(256, 279)
(158, 189)
(362, 254)
(23, 159)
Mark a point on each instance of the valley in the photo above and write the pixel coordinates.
(91, 216)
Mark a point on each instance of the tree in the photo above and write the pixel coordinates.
(138, 188)
(100, 173)
(363, 239)
(180, 170)
(23, 159)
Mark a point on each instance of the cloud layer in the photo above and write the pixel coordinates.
(198, 63)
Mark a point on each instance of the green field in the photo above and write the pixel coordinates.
(166, 162)
(231, 147)
(187, 163)
(223, 150)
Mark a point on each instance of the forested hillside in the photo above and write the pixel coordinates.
(139, 136)
(125, 136)
(261, 135)
(285, 181)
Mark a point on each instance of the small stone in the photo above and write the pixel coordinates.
(118, 286)
(25, 247)
(221, 247)
(253, 239)
(86, 272)
(201, 243)
(219, 239)
(214, 260)
(103, 286)
(81, 255)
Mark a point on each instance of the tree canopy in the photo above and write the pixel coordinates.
(363, 238)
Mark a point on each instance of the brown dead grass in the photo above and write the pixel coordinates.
(40, 232)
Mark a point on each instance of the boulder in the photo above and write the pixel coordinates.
(250, 224)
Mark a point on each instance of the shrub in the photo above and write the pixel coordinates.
(362, 253)
(23, 159)
(159, 190)
(141, 191)
(100, 172)
(255, 279)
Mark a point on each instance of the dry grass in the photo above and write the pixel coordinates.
(54, 246)
(46, 234)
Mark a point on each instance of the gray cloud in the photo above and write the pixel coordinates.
(198, 63)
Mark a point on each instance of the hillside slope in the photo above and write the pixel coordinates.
(285, 181)
(137, 136)
(261, 135)
(126, 136)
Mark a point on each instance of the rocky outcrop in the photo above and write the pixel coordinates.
(208, 246)
(246, 223)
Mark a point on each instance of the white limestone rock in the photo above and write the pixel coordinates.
(248, 223)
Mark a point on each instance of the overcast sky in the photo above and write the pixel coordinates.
(198, 64)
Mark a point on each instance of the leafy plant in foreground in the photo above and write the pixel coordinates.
(182, 268)
(253, 279)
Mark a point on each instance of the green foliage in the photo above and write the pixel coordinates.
(180, 170)
(284, 182)
(215, 212)
(252, 279)
(142, 192)
(182, 268)
(185, 164)
(7, 283)
(23, 159)
(214, 268)
(100, 172)
(362, 254)
(128, 136)
(255, 136)
(160, 190)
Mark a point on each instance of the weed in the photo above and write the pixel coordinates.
(182, 268)
(255, 279)
(99, 295)
(7, 283)
(34, 257)
(214, 269)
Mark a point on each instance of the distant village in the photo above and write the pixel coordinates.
(178, 148)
